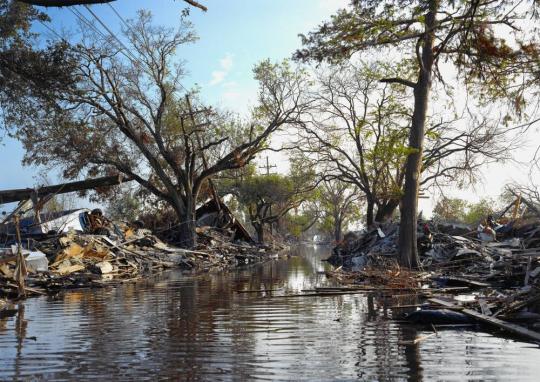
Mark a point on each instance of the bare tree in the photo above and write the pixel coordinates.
(357, 132)
(133, 116)
(339, 202)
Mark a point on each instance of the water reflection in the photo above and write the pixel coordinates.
(201, 328)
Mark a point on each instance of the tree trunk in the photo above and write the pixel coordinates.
(408, 252)
(187, 236)
(337, 230)
(259, 228)
(186, 232)
(386, 211)
(369, 212)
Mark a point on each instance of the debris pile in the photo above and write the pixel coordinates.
(95, 251)
(372, 247)
(495, 280)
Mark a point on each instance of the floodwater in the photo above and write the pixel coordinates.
(185, 328)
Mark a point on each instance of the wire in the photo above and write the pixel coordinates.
(86, 21)
(119, 16)
(110, 32)
(52, 31)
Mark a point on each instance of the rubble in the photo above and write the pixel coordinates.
(495, 282)
(100, 252)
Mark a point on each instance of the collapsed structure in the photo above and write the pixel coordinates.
(496, 281)
(83, 248)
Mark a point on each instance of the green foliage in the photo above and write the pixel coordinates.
(450, 209)
(477, 212)
(29, 72)
(273, 188)
(459, 210)
(126, 206)
(296, 225)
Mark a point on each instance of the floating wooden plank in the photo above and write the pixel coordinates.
(258, 290)
(417, 339)
(512, 328)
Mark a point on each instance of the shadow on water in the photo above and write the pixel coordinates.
(201, 328)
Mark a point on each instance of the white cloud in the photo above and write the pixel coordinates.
(217, 77)
(226, 64)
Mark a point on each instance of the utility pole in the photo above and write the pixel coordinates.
(268, 166)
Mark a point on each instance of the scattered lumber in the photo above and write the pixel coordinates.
(512, 328)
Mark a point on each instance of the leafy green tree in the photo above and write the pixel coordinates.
(450, 209)
(296, 224)
(467, 34)
(478, 212)
(29, 73)
(268, 198)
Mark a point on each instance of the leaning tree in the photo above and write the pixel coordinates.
(465, 35)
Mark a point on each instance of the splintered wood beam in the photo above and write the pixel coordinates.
(509, 327)
(15, 195)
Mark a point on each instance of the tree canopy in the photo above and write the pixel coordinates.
(133, 116)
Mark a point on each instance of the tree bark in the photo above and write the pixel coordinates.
(187, 222)
(259, 228)
(186, 232)
(337, 230)
(369, 212)
(385, 212)
(408, 251)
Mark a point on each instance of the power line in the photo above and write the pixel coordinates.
(86, 21)
(52, 31)
(108, 30)
(119, 16)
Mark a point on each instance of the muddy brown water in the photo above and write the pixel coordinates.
(178, 327)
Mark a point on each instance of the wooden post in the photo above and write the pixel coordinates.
(20, 268)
